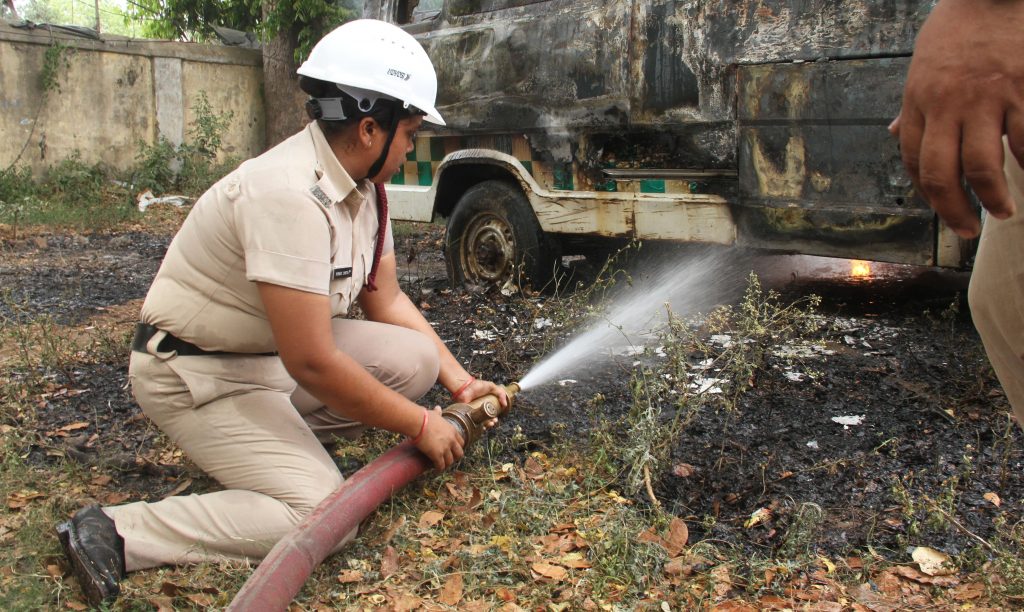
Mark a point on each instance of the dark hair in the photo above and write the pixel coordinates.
(385, 112)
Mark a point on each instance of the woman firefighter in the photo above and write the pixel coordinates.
(245, 357)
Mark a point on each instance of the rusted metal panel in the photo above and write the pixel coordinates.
(819, 172)
(838, 233)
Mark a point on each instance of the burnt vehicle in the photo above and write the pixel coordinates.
(575, 125)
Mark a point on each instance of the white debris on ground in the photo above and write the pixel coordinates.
(483, 334)
(813, 444)
(722, 340)
(795, 376)
(566, 381)
(846, 421)
(147, 199)
(707, 385)
(539, 323)
(802, 351)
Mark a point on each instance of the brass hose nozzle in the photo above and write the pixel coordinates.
(469, 418)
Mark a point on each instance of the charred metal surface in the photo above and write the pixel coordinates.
(581, 71)
(837, 233)
(792, 95)
(818, 170)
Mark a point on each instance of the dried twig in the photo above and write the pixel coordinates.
(650, 489)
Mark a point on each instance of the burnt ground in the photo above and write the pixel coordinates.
(935, 440)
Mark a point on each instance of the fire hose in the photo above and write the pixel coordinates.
(285, 569)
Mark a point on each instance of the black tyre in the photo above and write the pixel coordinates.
(493, 237)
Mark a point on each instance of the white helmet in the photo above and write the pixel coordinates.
(369, 60)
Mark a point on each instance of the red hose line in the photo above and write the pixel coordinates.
(285, 569)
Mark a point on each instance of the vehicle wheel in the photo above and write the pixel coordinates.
(493, 237)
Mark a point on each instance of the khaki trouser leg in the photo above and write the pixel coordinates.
(996, 293)
(247, 436)
(401, 358)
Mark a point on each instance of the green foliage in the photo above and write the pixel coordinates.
(16, 184)
(154, 167)
(303, 21)
(192, 167)
(56, 56)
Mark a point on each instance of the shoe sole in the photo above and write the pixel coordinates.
(97, 587)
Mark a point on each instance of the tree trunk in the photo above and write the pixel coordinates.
(285, 102)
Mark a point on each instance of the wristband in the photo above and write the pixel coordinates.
(464, 386)
(423, 428)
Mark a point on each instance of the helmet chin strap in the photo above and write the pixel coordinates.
(377, 165)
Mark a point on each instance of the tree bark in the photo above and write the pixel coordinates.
(285, 102)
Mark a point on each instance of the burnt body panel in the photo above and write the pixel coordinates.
(818, 171)
(778, 108)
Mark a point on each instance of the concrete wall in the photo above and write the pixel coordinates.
(116, 92)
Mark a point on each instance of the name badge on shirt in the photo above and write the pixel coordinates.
(341, 273)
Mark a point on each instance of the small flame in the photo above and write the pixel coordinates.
(860, 269)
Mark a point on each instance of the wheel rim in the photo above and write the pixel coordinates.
(490, 249)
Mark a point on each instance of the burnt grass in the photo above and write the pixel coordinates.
(936, 437)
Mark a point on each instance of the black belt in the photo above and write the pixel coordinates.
(144, 332)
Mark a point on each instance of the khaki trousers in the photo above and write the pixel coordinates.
(996, 293)
(234, 416)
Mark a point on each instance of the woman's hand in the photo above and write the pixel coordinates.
(479, 388)
(440, 441)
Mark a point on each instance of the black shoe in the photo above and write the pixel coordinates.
(95, 552)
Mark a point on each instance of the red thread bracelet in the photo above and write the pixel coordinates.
(464, 386)
(423, 428)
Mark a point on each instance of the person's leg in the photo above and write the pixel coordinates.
(401, 358)
(245, 434)
(996, 293)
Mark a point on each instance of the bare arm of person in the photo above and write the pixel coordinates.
(964, 91)
(389, 304)
(301, 323)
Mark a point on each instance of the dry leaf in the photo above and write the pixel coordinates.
(389, 562)
(992, 497)
(912, 573)
(20, 499)
(392, 529)
(678, 534)
(574, 560)
(114, 498)
(180, 488)
(54, 570)
(200, 599)
(430, 518)
(722, 580)
(474, 502)
(504, 594)
(548, 570)
(971, 590)
(683, 470)
(74, 604)
(347, 576)
(759, 516)
(162, 604)
(451, 592)
(533, 469)
(101, 481)
(931, 561)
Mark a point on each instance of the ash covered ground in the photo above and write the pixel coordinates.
(901, 357)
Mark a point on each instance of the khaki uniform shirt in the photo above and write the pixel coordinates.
(291, 217)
